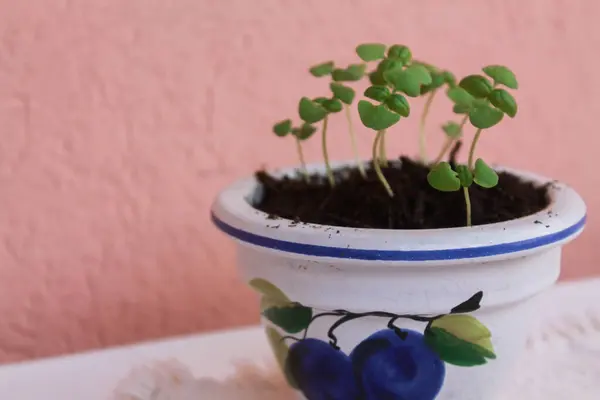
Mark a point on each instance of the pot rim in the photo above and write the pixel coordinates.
(560, 222)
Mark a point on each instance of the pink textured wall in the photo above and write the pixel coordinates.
(121, 119)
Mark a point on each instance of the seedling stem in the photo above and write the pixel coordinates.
(422, 141)
(467, 204)
(325, 154)
(376, 165)
(302, 161)
(472, 149)
(382, 153)
(360, 165)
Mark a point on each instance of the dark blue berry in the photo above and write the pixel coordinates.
(322, 372)
(391, 368)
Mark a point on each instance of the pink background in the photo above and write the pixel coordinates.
(121, 120)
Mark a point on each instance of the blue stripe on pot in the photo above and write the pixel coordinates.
(397, 255)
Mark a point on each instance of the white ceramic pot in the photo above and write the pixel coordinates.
(364, 278)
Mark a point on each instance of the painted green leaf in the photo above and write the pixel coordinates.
(437, 81)
(333, 105)
(291, 317)
(376, 117)
(376, 78)
(282, 128)
(371, 51)
(322, 69)
(354, 72)
(465, 176)
(311, 111)
(267, 289)
(281, 351)
(458, 109)
(477, 85)
(304, 132)
(504, 101)
(460, 340)
(389, 64)
(344, 93)
(398, 103)
(484, 116)
(502, 76)
(377, 93)
(443, 178)
(460, 96)
(409, 80)
(400, 53)
(452, 129)
(484, 175)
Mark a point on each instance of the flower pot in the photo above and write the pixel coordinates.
(406, 314)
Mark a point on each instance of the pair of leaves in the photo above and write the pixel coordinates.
(443, 178)
(501, 76)
(394, 101)
(290, 316)
(322, 69)
(481, 114)
(452, 129)
(303, 132)
(460, 340)
(409, 80)
(376, 51)
(378, 117)
(352, 73)
(312, 111)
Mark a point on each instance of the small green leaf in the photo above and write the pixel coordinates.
(344, 93)
(291, 317)
(371, 51)
(460, 96)
(333, 105)
(452, 129)
(304, 132)
(389, 64)
(410, 80)
(377, 93)
(443, 178)
(437, 81)
(401, 53)
(502, 76)
(477, 85)
(460, 340)
(282, 128)
(398, 103)
(376, 78)
(322, 69)
(376, 117)
(484, 175)
(449, 78)
(281, 351)
(484, 116)
(464, 175)
(353, 73)
(504, 101)
(311, 111)
(266, 288)
(458, 109)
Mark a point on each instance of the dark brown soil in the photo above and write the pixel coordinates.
(363, 203)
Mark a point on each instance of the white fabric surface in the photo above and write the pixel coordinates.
(562, 361)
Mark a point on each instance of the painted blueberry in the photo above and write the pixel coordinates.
(322, 372)
(391, 368)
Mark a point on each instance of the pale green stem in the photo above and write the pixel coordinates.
(361, 167)
(376, 165)
(449, 142)
(301, 157)
(422, 136)
(467, 204)
(472, 150)
(325, 155)
(383, 161)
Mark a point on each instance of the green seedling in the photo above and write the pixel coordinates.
(484, 106)
(345, 94)
(300, 134)
(316, 110)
